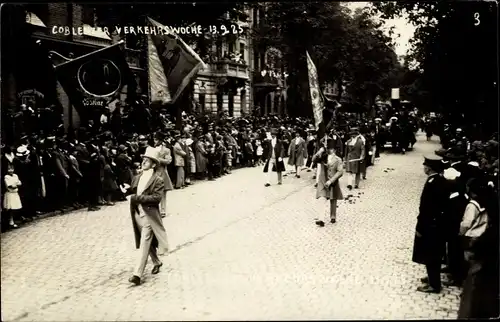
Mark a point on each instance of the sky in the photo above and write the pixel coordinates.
(401, 27)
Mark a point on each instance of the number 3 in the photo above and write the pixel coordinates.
(476, 19)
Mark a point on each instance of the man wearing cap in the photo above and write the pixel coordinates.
(165, 158)
(273, 153)
(456, 204)
(429, 245)
(179, 161)
(146, 192)
(28, 174)
(297, 153)
(354, 156)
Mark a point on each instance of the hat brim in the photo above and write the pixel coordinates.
(150, 157)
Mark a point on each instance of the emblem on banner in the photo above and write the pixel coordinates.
(99, 78)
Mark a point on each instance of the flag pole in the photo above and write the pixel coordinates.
(147, 64)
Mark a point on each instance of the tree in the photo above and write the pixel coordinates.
(374, 66)
(347, 49)
(455, 45)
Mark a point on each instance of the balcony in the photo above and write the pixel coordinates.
(226, 68)
(268, 80)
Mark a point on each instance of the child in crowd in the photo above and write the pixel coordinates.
(260, 152)
(12, 201)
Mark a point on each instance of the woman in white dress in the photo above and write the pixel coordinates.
(11, 201)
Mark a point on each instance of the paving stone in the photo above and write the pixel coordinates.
(240, 251)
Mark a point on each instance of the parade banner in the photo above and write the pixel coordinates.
(94, 79)
(172, 64)
(316, 98)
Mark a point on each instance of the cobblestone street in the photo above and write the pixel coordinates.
(239, 251)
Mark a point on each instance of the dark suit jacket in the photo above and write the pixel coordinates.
(150, 200)
(429, 245)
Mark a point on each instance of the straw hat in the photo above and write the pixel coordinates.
(151, 153)
(22, 151)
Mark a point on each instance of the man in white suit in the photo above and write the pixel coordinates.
(147, 190)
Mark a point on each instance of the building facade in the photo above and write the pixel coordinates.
(269, 74)
(225, 84)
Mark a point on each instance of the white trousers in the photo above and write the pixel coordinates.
(145, 248)
(329, 210)
(163, 203)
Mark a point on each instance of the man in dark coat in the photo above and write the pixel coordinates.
(273, 154)
(429, 244)
(94, 176)
(82, 155)
(29, 175)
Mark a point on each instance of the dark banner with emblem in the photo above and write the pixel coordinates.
(95, 79)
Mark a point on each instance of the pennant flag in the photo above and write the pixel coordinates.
(172, 64)
(94, 79)
(317, 100)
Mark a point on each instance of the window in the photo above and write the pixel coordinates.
(231, 46)
(256, 61)
(202, 102)
(88, 16)
(218, 49)
(219, 102)
(231, 103)
(242, 51)
(243, 98)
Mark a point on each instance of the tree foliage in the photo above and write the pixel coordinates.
(349, 49)
(455, 45)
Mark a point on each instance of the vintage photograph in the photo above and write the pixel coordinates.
(324, 160)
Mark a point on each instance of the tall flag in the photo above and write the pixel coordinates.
(317, 100)
(94, 79)
(172, 64)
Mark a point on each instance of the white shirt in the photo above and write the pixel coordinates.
(141, 186)
(297, 141)
(273, 144)
(475, 220)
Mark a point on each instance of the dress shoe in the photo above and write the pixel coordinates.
(280, 183)
(135, 280)
(314, 177)
(428, 289)
(156, 268)
(163, 215)
(424, 280)
(94, 208)
(267, 185)
(13, 226)
(298, 176)
(315, 185)
(320, 223)
(333, 221)
(349, 187)
(356, 187)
